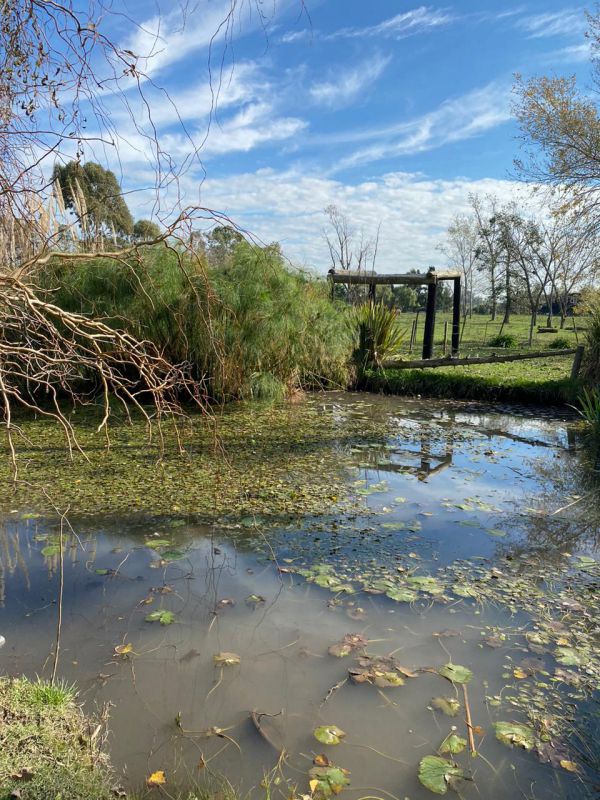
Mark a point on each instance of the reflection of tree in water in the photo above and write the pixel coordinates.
(564, 512)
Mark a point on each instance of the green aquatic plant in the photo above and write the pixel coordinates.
(379, 334)
(589, 408)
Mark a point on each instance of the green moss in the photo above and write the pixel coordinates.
(45, 747)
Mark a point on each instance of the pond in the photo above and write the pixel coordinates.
(373, 543)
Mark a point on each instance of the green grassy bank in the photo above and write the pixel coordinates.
(544, 381)
(48, 748)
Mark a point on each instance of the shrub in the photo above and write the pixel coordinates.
(252, 327)
(503, 340)
(559, 343)
(591, 359)
(379, 335)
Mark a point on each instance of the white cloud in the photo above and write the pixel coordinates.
(455, 120)
(254, 125)
(558, 23)
(165, 39)
(414, 211)
(399, 26)
(349, 83)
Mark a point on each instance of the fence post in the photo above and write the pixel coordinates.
(446, 336)
(455, 317)
(430, 320)
(577, 362)
(413, 333)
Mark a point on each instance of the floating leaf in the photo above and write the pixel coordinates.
(455, 673)
(156, 544)
(569, 656)
(254, 600)
(447, 705)
(172, 555)
(226, 659)
(514, 733)
(425, 583)
(157, 778)
(381, 671)
(164, 617)
(437, 774)
(570, 766)
(462, 590)
(402, 595)
(102, 571)
(350, 643)
(329, 734)
(123, 649)
(327, 781)
(453, 743)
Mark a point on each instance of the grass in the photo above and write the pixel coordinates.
(478, 331)
(47, 746)
(544, 381)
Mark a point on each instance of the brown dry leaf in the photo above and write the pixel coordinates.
(124, 649)
(157, 778)
(321, 761)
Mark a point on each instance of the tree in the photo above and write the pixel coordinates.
(560, 129)
(221, 241)
(348, 250)
(145, 230)
(460, 249)
(489, 247)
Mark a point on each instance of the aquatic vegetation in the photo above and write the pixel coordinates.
(438, 774)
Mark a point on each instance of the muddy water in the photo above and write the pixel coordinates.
(446, 483)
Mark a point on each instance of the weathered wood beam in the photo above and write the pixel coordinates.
(367, 278)
(495, 358)
(429, 321)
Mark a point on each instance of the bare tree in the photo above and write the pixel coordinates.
(348, 250)
(460, 248)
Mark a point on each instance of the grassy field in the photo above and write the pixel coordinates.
(545, 381)
(477, 332)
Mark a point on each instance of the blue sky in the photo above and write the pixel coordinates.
(393, 111)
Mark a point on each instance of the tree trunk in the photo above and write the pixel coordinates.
(532, 326)
(507, 307)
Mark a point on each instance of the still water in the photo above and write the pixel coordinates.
(470, 538)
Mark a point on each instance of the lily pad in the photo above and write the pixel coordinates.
(382, 671)
(402, 595)
(514, 733)
(327, 781)
(455, 673)
(350, 643)
(437, 774)
(329, 734)
(425, 583)
(569, 656)
(453, 743)
(164, 617)
(447, 705)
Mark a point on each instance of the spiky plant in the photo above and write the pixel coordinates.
(379, 334)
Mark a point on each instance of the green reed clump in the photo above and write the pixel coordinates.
(379, 334)
(250, 327)
(589, 408)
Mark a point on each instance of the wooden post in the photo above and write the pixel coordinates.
(429, 321)
(577, 362)
(413, 333)
(456, 318)
(446, 335)
(372, 292)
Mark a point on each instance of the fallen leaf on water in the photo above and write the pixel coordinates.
(350, 643)
(570, 766)
(453, 743)
(226, 659)
(164, 617)
(327, 781)
(157, 778)
(123, 649)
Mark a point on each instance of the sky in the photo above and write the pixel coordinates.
(391, 110)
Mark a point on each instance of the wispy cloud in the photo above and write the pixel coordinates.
(455, 120)
(288, 206)
(408, 23)
(253, 126)
(349, 84)
(557, 23)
